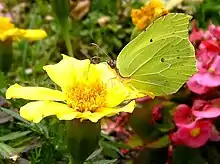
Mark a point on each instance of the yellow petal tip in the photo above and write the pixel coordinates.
(11, 91)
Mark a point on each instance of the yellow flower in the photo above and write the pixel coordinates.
(147, 14)
(88, 91)
(9, 32)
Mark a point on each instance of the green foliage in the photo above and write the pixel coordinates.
(206, 12)
(183, 155)
(2, 80)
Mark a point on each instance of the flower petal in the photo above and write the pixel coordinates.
(13, 33)
(34, 93)
(186, 136)
(183, 115)
(67, 71)
(208, 79)
(36, 111)
(209, 112)
(108, 112)
(34, 34)
(101, 71)
(116, 93)
(196, 87)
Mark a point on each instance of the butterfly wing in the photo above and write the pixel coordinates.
(161, 58)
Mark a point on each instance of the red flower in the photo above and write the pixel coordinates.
(183, 115)
(194, 136)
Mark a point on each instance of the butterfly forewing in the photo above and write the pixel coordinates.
(161, 58)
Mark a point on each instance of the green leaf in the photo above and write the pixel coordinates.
(15, 115)
(161, 142)
(183, 155)
(141, 122)
(7, 151)
(105, 162)
(109, 145)
(94, 154)
(135, 141)
(13, 135)
(2, 80)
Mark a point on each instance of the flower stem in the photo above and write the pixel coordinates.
(82, 139)
(67, 41)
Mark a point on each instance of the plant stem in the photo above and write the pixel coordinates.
(67, 41)
(74, 161)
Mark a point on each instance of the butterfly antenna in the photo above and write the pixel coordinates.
(94, 44)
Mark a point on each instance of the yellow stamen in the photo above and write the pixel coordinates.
(86, 96)
(195, 132)
(211, 70)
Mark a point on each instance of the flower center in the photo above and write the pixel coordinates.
(86, 96)
(195, 132)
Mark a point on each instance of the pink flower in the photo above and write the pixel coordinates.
(208, 59)
(214, 30)
(193, 136)
(197, 34)
(205, 109)
(183, 115)
(207, 51)
(194, 85)
(208, 64)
